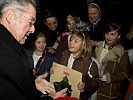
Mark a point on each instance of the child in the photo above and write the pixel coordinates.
(78, 57)
(73, 24)
(114, 63)
(62, 41)
(42, 59)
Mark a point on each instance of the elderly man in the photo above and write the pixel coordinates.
(17, 18)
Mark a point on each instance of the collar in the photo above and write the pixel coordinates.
(96, 22)
(105, 46)
(8, 39)
(108, 47)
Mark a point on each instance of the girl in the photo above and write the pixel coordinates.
(113, 60)
(78, 57)
(42, 59)
(62, 42)
(70, 26)
(74, 23)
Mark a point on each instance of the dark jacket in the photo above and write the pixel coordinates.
(51, 36)
(45, 63)
(81, 65)
(96, 32)
(16, 76)
(63, 45)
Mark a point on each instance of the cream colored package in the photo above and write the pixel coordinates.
(74, 77)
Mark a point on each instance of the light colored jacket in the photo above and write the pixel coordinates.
(115, 68)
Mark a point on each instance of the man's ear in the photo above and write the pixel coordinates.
(9, 15)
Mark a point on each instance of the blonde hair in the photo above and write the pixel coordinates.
(86, 50)
(71, 19)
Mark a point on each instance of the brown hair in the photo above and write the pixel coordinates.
(112, 27)
(39, 34)
(36, 36)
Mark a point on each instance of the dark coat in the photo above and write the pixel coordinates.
(51, 35)
(97, 33)
(45, 63)
(63, 45)
(16, 76)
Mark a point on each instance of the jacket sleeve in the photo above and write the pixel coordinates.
(91, 81)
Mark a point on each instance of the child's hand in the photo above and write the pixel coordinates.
(81, 86)
(51, 50)
(51, 71)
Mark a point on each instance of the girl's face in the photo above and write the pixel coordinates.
(74, 45)
(40, 44)
(71, 26)
(111, 37)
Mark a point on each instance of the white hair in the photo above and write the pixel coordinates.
(94, 5)
(16, 5)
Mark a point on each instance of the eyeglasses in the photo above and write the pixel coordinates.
(31, 21)
(52, 24)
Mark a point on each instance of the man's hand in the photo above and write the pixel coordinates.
(58, 94)
(43, 85)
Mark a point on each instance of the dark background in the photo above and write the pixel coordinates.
(115, 10)
(62, 8)
(119, 11)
